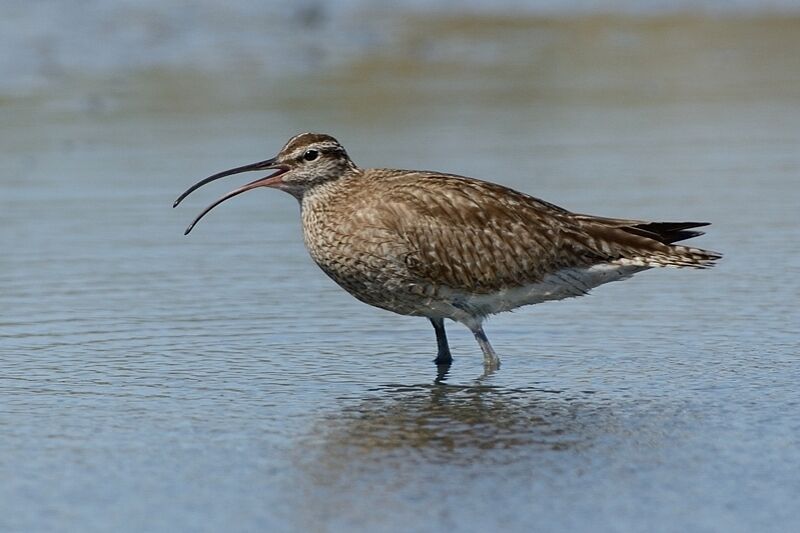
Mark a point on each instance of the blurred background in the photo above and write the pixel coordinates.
(219, 381)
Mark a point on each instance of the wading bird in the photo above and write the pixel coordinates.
(443, 246)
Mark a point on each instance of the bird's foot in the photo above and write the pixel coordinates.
(491, 362)
(443, 359)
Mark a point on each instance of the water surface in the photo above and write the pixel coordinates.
(219, 381)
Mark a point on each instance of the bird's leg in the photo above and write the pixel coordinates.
(443, 356)
(490, 358)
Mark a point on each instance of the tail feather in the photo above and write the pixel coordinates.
(682, 257)
(649, 244)
(668, 233)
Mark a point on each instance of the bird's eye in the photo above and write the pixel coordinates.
(310, 155)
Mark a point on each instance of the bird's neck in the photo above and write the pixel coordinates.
(324, 190)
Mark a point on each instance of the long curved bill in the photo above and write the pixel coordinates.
(267, 181)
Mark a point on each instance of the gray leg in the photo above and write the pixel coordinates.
(490, 358)
(443, 356)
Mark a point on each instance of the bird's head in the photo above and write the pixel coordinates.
(306, 161)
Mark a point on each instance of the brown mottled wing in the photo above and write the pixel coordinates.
(477, 236)
(482, 237)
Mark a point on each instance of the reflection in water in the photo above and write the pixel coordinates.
(453, 424)
(441, 373)
(444, 369)
(401, 444)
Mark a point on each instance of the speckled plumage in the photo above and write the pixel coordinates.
(444, 246)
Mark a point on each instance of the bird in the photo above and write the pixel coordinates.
(444, 246)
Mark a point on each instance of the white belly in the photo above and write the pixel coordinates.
(470, 308)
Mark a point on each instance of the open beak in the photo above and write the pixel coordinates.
(267, 181)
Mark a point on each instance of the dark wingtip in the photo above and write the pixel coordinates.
(668, 232)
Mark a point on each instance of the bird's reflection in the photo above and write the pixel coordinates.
(449, 423)
(441, 373)
(443, 369)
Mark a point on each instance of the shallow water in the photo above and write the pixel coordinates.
(219, 381)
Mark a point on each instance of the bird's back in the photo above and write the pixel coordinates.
(445, 234)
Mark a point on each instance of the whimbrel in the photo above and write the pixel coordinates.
(443, 246)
